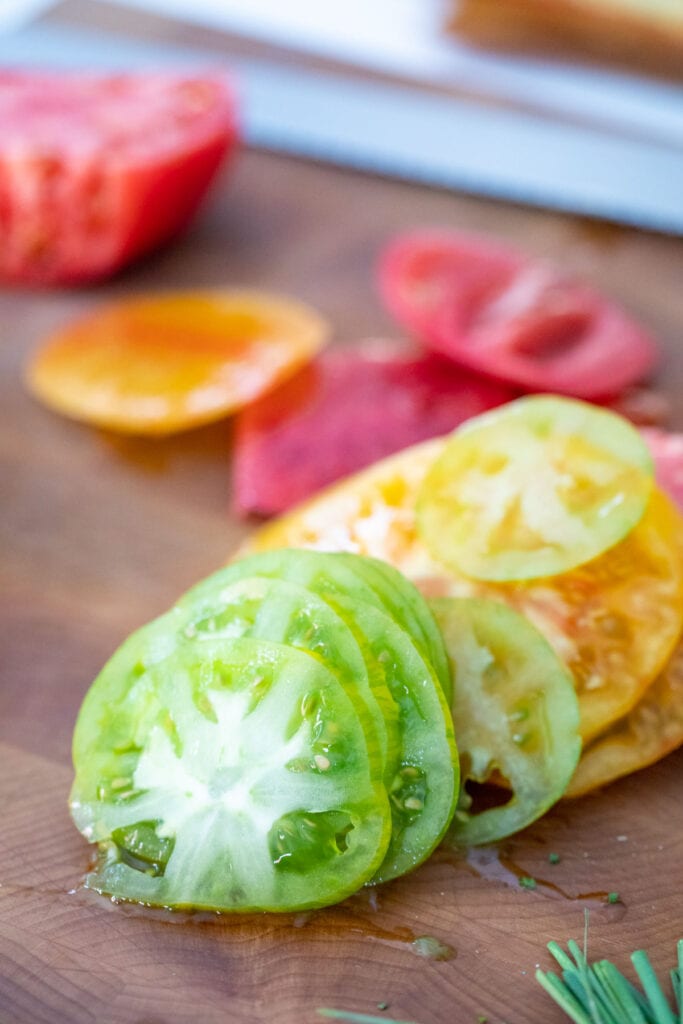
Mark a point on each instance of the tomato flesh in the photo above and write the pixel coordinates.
(233, 775)
(350, 407)
(159, 364)
(277, 610)
(96, 170)
(515, 714)
(534, 489)
(519, 320)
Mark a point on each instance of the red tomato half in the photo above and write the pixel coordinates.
(667, 451)
(347, 409)
(520, 320)
(97, 170)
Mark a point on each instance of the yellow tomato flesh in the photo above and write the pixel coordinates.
(533, 489)
(159, 364)
(653, 729)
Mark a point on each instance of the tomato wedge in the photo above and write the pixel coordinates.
(613, 621)
(494, 310)
(232, 775)
(653, 729)
(534, 489)
(350, 407)
(515, 715)
(96, 170)
(163, 363)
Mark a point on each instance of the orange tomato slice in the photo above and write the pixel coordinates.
(163, 363)
(614, 621)
(651, 730)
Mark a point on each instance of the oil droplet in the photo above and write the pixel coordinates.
(432, 949)
(494, 864)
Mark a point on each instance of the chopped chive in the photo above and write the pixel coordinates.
(653, 990)
(612, 897)
(383, 1006)
(527, 883)
(554, 858)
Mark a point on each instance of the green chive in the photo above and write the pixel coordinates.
(554, 858)
(612, 897)
(653, 990)
(527, 883)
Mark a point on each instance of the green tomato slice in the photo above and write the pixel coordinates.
(422, 780)
(533, 489)
(233, 775)
(407, 606)
(424, 786)
(331, 573)
(273, 609)
(515, 712)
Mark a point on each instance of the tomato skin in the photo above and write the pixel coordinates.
(348, 408)
(519, 320)
(97, 170)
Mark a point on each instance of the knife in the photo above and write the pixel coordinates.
(394, 129)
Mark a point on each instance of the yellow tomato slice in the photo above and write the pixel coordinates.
(614, 621)
(163, 363)
(653, 729)
(533, 489)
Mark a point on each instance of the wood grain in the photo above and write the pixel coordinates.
(99, 534)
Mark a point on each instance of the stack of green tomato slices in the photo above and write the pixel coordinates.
(286, 733)
(278, 739)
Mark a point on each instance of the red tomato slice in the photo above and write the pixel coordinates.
(96, 170)
(520, 320)
(667, 451)
(349, 408)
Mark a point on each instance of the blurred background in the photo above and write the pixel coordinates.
(571, 105)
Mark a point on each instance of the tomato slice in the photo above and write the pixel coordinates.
(494, 310)
(515, 715)
(653, 729)
(424, 788)
(163, 363)
(422, 781)
(614, 621)
(408, 608)
(534, 489)
(667, 451)
(230, 605)
(96, 170)
(233, 775)
(350, 407)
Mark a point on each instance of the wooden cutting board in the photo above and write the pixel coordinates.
(99, 534)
